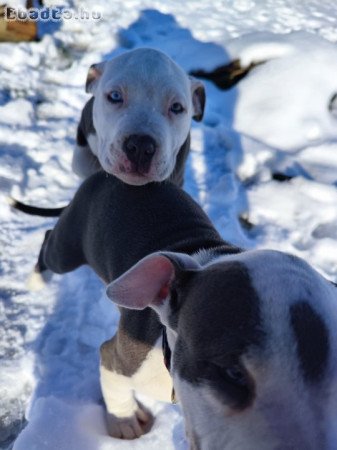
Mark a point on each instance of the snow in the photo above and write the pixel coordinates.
(286, 90)
(275, 120)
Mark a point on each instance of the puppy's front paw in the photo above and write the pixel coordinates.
(131, 427)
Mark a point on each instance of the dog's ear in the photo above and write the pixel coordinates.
(94, 74)
(148, 282)
(198, 98)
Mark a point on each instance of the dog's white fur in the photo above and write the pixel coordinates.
(151, 379)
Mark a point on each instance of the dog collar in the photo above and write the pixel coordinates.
(167, 360)
(166, 350)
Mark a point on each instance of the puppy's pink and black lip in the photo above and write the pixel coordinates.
(131, 173)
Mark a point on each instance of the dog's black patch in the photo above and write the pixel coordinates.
(312, 340)
(81, 140)
(226, 76)
(221, 321)
(86, 124)
(279, 176)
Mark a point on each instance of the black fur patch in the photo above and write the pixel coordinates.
(86, 124)
(220, 322)
(312, 340)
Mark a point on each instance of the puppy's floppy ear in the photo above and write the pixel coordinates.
(94, 74)
(148, 282)
(198, 98)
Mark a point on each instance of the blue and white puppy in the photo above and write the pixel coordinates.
(137, 124)
(254, 345)
(252, 333)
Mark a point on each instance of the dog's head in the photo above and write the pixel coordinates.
(253, 340)
(142, 113)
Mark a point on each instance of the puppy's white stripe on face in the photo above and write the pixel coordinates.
(297, 299)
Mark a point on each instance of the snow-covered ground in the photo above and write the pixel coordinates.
(277, 120)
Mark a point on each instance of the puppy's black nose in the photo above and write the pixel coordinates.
(140, 148)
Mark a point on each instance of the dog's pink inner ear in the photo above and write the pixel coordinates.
(164, 292)
(146, 283)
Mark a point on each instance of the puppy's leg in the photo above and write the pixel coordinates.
(127, 418)
(41, 274)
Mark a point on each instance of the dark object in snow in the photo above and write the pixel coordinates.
(279, 176)
(245, 222)
(226, 76)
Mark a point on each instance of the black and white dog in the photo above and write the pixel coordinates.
(252, 333)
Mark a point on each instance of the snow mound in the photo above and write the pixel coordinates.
(278, 103)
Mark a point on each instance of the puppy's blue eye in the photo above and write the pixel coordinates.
(176, 108)
(115, 97)
(232, 374)
(236, 375)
